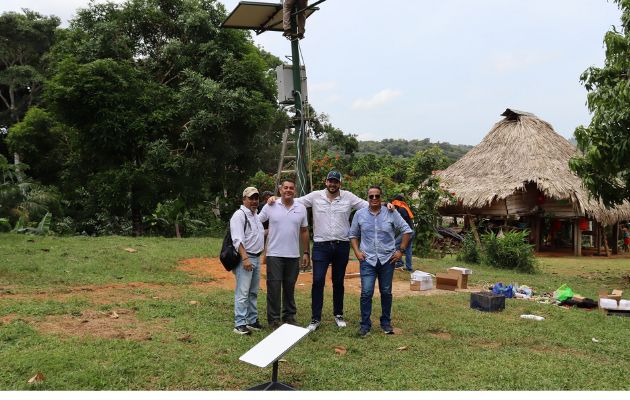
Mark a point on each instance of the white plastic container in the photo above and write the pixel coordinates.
(534, 317)
(608, 304)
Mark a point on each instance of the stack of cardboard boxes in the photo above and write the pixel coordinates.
(455, 278)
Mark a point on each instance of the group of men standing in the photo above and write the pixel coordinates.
(378, 236)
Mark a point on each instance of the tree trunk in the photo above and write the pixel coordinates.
(177, 233)
(136, 221)
(474, 230)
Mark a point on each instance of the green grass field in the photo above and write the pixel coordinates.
(89, 315)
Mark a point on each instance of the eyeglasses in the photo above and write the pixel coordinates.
(374, 196)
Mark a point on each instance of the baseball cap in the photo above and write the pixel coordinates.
(250, 191)
(334, 175)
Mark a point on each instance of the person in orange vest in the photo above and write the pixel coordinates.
(405, 211)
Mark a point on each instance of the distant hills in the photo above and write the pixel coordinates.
(407, 148)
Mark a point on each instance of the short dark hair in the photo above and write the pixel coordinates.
(288, 180)
(376, 187)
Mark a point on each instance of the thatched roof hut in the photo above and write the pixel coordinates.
(520, 168)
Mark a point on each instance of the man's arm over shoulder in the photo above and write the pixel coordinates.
(307, 199)
(263, 215)
(356, 202)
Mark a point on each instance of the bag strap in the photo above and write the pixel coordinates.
(246, 220)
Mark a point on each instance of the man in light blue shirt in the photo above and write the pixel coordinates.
(373, 239)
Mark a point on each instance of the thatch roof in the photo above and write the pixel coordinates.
(520, 149)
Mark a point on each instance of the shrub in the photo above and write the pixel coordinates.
(470, 251)
(510, 251)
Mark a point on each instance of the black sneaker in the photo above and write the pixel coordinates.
(388, 330)
(242, 330)
(256, 326)
(273, 325)
(291, 321)
(363, 332)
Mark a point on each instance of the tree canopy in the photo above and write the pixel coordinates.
(605, 143)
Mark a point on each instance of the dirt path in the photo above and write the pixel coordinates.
(211, 267)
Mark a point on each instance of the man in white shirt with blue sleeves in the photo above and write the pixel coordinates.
(248, 236)
(373, 239)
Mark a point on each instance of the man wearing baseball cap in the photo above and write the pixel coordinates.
(248, 236)
(331, 223)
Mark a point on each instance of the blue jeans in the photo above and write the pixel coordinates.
(326, 253)
(408, 256)
(385, 274)
(246, 292)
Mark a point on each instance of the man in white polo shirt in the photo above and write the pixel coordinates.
(288, 225)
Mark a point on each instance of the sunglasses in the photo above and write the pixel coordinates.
(254, 197)
(374, 196)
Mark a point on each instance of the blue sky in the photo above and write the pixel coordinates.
(443, 70)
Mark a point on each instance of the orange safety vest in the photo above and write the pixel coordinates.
(400, 203)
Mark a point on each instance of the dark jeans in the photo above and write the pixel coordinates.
(282, 274)
(408, 255)
(385, 274)
(326, 253)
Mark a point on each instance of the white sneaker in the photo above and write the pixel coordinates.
(340, 321)
(313, 325)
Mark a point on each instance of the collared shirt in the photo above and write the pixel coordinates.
(284, 228)
(253, 236)
(331, 219)
(377, 233)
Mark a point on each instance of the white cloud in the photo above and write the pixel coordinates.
(378, 99)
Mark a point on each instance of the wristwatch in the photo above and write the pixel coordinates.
(402, 250)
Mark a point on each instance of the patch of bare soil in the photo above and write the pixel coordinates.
(100, 294)
(487, 344)
(115, 324)
(7, 319)
(211, 267)
(441, 335)
(123, 324)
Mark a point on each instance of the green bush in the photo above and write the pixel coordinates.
(5, 226)
(510, 251)
(470, 251)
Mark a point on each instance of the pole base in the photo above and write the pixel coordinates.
(272, 386)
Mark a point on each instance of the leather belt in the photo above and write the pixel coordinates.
(254, 254)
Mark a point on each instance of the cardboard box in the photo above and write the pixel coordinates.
(424, 283)
(462, 276)
(614, 295)
(446, 281)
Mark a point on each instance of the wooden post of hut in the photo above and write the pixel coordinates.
(615, 238)
(577, 238)
(537, 229)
